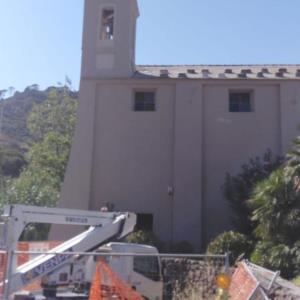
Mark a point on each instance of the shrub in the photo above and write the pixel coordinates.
(35, 232)
(183, 247)
(143, 237)
(238, 188)
(234, 243)
(278, 257)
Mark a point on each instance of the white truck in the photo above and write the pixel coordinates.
(62, 265)
(141, 271)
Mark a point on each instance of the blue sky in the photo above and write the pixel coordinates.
(41, 39)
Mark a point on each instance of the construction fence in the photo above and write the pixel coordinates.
(3, 261)
(108, 276)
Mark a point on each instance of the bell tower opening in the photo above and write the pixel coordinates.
(107, 24)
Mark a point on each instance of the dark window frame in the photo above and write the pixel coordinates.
(240, 101)
(144, 105)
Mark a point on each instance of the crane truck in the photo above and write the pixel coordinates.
(61, 265)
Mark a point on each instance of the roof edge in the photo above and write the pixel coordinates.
(221, 65)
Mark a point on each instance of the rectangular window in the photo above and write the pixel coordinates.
(107, 24)
(240, 102)
(144, 101)
(147, 266)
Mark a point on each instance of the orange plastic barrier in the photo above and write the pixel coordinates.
(107, 284)
(95, 292)
(2, 270)
(25, 257)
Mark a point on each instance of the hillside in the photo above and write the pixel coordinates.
(15, 113)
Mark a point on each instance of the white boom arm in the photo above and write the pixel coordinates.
(105, 226)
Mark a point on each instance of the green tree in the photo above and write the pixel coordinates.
(12, 161)
(33, 187)
(278, 257)
(57, 114)
(238, 188)
(51, 125)
(143, 237)
(276, 212)
(51, 155)
(292, 168)
(236, 244)
(265, 198)
(276, 209)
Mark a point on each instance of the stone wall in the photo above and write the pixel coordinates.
(190, 279)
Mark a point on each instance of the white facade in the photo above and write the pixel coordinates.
(171, 162)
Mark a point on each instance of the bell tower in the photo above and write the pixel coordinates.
(108, 52)
(109, 34)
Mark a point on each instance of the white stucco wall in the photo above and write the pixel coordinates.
(133, 153)
(230, 139)
(290, 112)
(188, 151)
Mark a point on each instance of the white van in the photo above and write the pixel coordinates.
(142, 273)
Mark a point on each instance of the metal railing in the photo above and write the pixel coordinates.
(162, 276)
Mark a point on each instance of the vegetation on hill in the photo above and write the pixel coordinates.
(16, 107)
(33, 167)
(12, 162)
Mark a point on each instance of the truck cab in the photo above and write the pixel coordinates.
(137, 265)
(73, 262)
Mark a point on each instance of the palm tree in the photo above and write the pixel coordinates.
(292, 168)
(276, 211)
(276, 208)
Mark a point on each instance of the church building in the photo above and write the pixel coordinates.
(159, 140)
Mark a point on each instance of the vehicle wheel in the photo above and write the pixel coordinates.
(49, 292)
(20, 297)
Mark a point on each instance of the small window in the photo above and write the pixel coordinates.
(63, 277)
(107, 25)
(144, 222)
(147, 266)
(240, 102)
(144, 101)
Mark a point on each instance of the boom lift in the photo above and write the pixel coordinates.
(104, 227)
